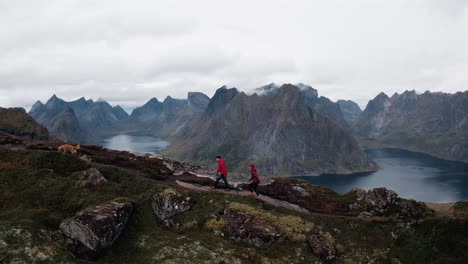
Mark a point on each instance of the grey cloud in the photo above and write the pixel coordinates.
(127, 52)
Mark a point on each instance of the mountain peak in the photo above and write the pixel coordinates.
(222, 96)
(287, 87)
(191, 95)
(153, 100)
(303, 86)
(54, 99)
(168, 99)
(381, 96)
(268, 89)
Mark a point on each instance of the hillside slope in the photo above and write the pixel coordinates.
(40, 194)
(17, 122)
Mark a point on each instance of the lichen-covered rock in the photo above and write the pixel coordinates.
(374, 202)
(249, 229)
(384, 202)
(410, 209)
(86, 158)
(91, 177)
(322, 245)
(169, 203)
(92, 231)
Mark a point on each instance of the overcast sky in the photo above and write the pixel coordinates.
(129, 51)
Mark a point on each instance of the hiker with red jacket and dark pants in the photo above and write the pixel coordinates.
(255, 180)
(221, 172)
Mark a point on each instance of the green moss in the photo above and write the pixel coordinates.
(294, 227)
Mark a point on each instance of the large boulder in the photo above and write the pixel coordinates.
(374, 202)
(168, 204)
(384, 202)
(91, 177)
(322, 245)
(92, 231)
(250, 229)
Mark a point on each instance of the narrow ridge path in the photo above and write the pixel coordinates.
(263, 198)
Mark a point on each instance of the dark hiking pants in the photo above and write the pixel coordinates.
(253, 188)
(221, 176)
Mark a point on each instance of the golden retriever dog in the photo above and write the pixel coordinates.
(69, 148)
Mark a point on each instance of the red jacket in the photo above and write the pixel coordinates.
(253, 172)
(222, 167)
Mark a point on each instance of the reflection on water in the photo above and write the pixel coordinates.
(411, 174)
(141, 144)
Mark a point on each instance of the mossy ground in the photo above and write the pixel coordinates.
(38, 190)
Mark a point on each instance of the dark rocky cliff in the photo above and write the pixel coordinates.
(279, 132)
(434, 123)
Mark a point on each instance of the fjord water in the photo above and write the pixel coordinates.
(412, 175)
(136, 143)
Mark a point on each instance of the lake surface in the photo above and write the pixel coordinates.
(141, 144)
(412, 175)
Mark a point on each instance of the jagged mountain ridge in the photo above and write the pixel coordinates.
(279, 131)
(80, 121)
(321, 104)
(434, 123)
(166, 118)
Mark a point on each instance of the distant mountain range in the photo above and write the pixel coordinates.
(166, 118)
(287, 129)
(79, 121)
(434, 123)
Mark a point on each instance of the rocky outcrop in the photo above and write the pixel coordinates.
(279, 132)
(91, 177)
(249, 229)
(410, 209)
(168, 204)
(181, 167)
(314, 198)
(322, 245)
(92, 231)
(433, 123)
(17, 122)
(375, 202)
(358, 202)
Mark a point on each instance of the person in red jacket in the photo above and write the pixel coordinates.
(221, 173)
(254, 179)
